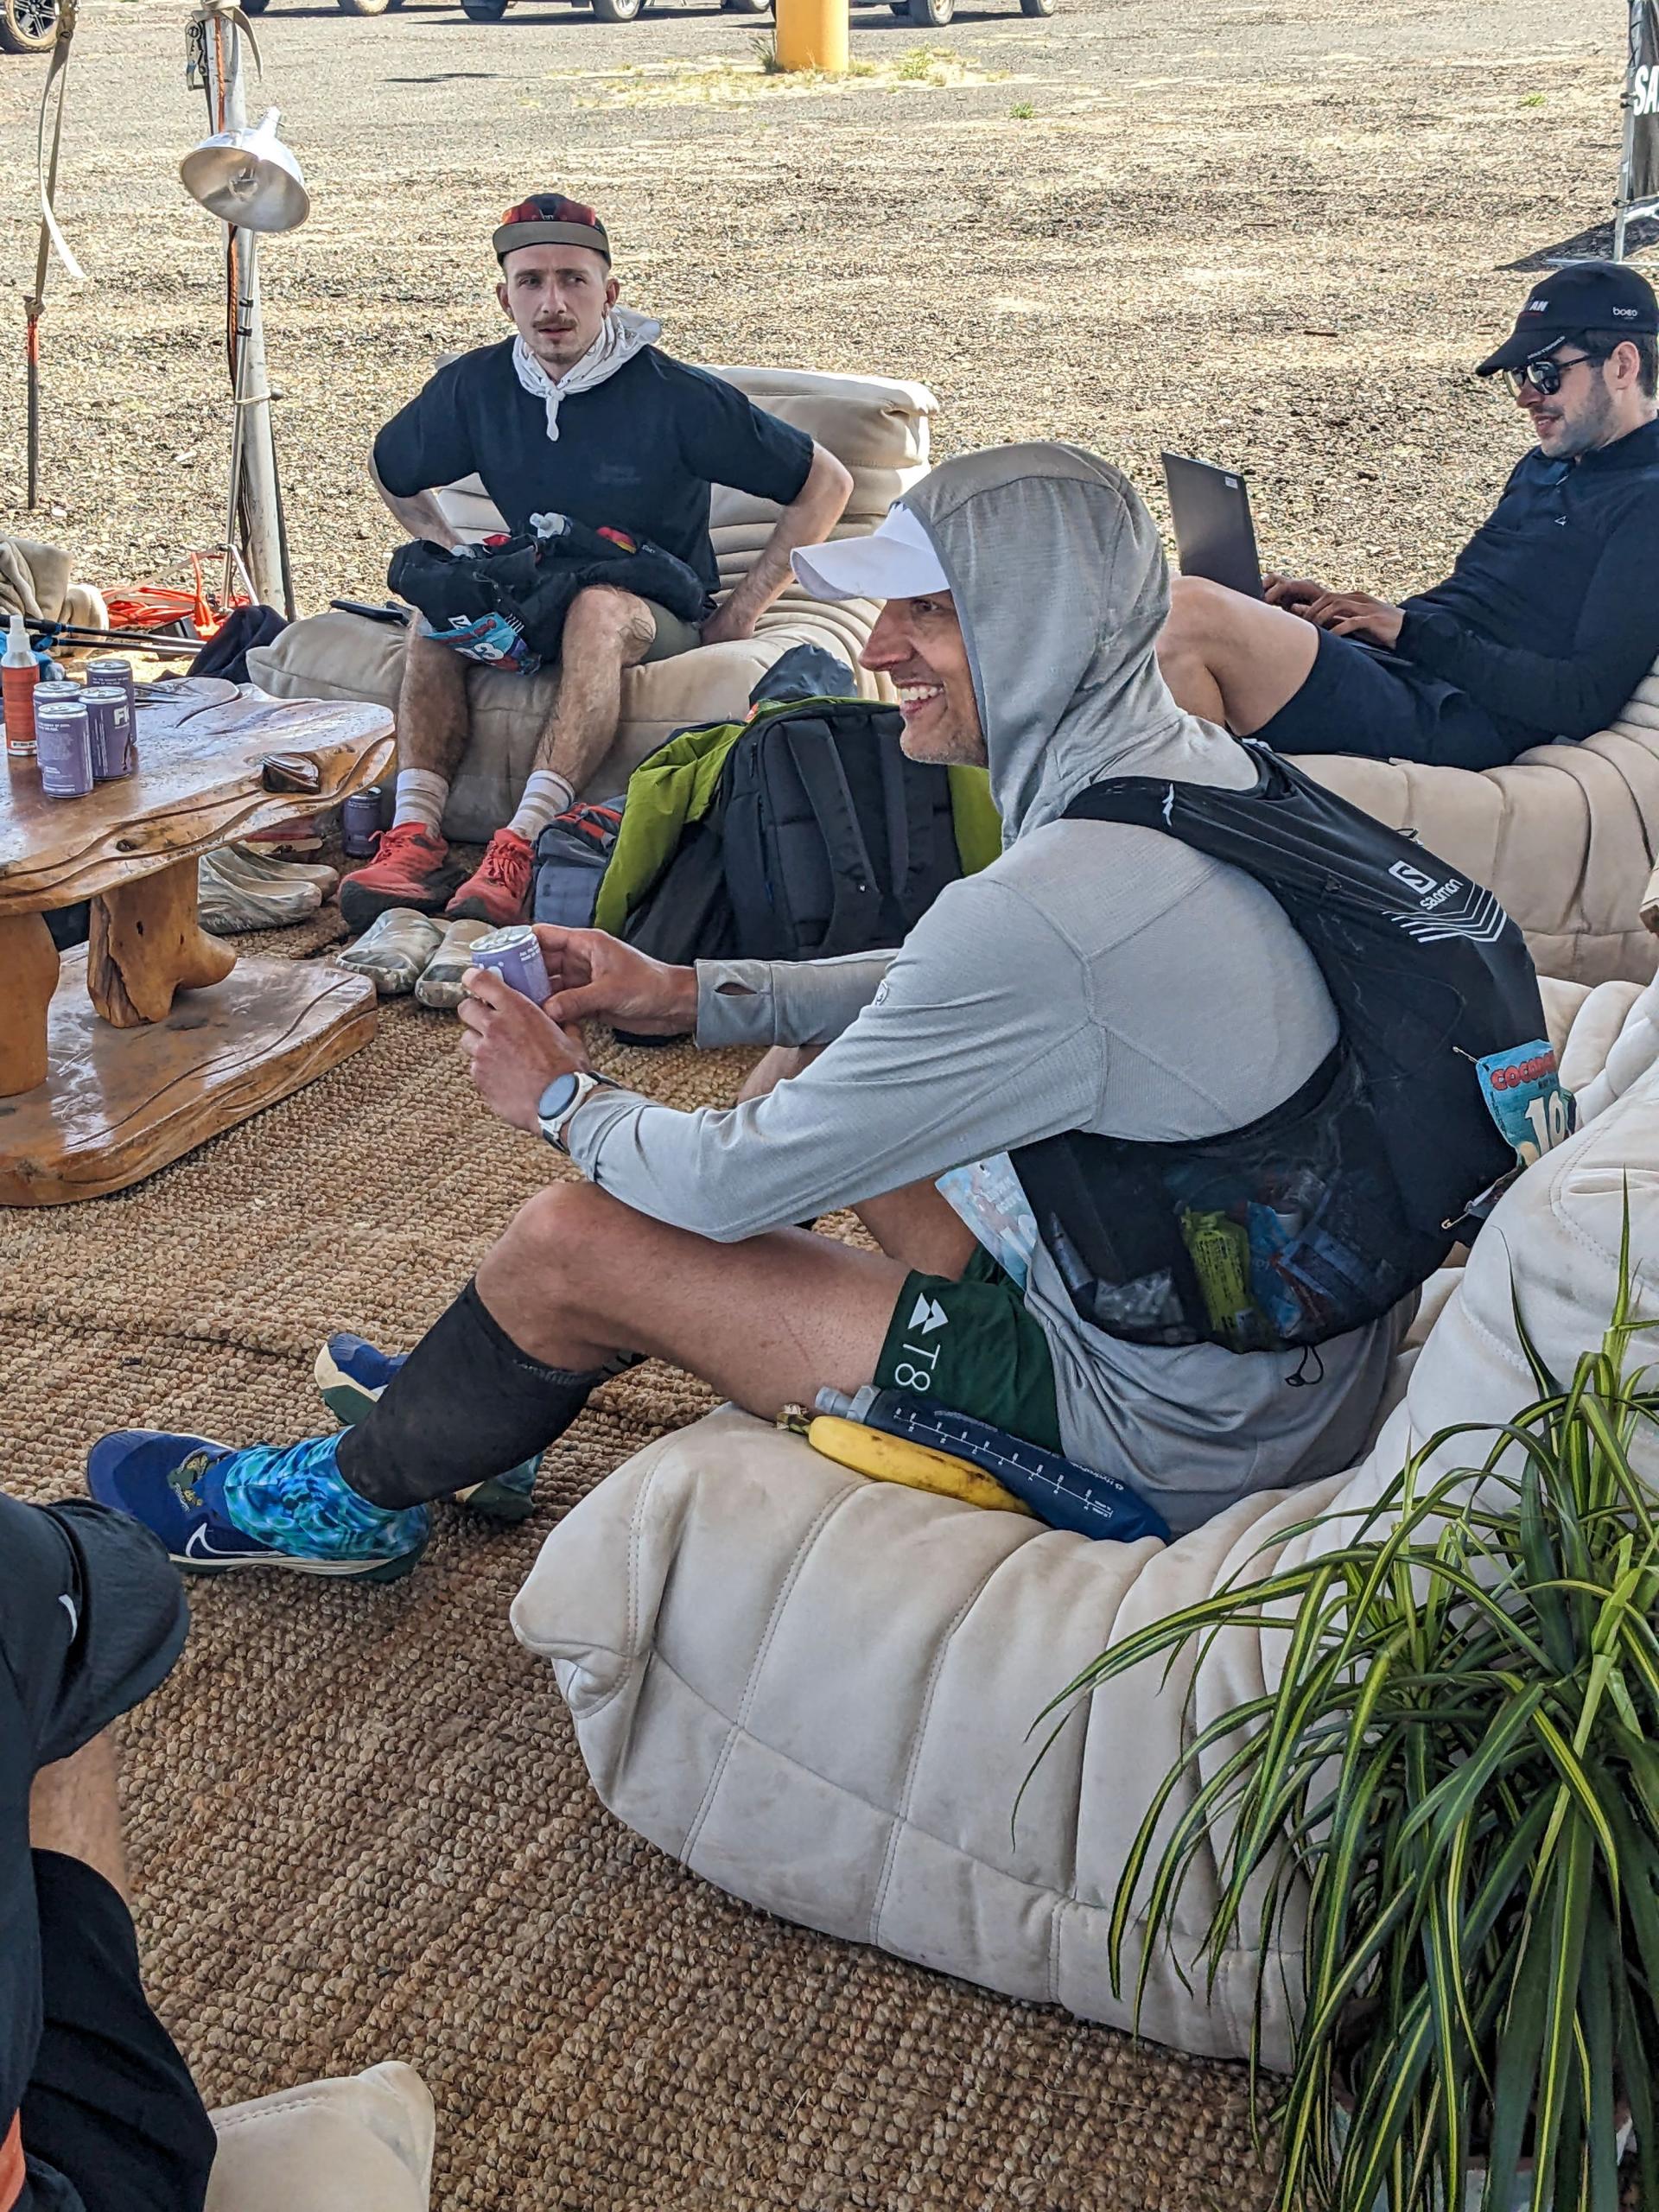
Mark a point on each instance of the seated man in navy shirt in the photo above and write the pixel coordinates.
(578, 414)
(1548, 621)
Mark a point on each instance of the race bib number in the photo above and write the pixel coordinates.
(1524, 1097)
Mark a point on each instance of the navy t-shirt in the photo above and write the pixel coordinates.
(92, 1617)
(638, 452)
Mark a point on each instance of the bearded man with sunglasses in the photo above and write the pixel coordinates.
(1549, 619)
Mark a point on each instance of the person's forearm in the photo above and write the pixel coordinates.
(807, 520)
(784, 1001)
(420, 514)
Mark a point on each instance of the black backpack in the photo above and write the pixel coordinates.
(1322, 1215)
(823, 838)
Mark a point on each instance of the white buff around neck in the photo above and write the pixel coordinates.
(623, 333)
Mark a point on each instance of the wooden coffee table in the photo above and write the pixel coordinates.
(106, 1078)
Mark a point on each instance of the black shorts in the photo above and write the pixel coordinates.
(111, 2119)
(1357, 698)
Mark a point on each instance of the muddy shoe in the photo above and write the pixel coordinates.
(276, 867)
(394, 952)
(235, 891)
(411, 869)
(441, 984)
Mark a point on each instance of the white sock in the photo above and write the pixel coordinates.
(546, 794)
(421, 798)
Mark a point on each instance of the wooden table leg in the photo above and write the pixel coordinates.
(29, 975)
(146, 944)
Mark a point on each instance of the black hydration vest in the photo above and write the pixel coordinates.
(1326, 1212)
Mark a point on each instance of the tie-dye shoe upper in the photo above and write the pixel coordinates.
(216, 1508)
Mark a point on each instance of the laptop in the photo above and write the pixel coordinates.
(1214, 534)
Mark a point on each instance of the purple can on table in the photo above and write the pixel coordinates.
(515, 956)
(113, 668)
(359, 823)
(109, 720)
(63, 748)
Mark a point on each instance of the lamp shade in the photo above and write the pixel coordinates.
(248, 178)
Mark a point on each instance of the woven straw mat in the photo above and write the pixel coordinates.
(359, 1824)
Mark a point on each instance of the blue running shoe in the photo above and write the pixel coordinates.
(185, 1489)
(351, 1374)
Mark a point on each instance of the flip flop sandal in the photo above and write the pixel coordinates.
(441, 984)
(393, 950)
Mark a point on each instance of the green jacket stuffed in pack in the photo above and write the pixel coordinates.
(679, 783)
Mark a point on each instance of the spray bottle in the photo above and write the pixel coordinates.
(19, 673)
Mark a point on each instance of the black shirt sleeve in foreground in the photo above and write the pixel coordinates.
(1614, 645)
(92, 1616)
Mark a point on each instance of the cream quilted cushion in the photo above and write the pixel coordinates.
(877, 426)
(1565, 836)
(816, 1691)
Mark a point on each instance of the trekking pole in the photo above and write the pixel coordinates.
(51, 236)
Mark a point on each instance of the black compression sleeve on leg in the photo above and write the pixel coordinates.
(466, 1404)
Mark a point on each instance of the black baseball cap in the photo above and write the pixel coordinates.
(1582, 296)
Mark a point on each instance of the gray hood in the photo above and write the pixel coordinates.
(1060, 583)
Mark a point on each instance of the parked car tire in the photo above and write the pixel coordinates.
(1027, 7)
(354, 7)
(747, 6)
(27, 26)
(483, 12)
(931, 14)
(618, 12)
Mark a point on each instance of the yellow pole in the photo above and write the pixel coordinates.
(813, 35)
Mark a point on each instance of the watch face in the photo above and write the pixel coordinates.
(558, 1098)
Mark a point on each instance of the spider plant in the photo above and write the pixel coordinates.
(1458, 1771)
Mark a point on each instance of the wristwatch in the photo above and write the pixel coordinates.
(560, 1101)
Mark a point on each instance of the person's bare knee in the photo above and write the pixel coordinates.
(777, 1066)
(603, 619)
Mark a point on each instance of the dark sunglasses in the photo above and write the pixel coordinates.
(1545, 376)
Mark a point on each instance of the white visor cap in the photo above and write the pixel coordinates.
(896, 560)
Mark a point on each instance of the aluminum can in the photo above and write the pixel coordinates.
(359, 823)
(109, 720)
(63, 748)
(114, 668)
(516, 958)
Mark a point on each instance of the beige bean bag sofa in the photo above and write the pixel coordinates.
(361, 2145)
(1566, 835)
(815, 1690)
(876, 426)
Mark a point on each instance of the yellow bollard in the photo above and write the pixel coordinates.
(813, 35)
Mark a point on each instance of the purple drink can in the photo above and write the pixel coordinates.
(113, 668)
(109, 721)
(359, 822)
(515, 956)
(63, 748)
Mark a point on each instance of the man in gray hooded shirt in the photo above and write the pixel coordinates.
(1098, 976)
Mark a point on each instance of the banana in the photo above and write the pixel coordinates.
(895, 1460)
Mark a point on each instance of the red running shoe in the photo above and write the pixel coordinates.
(410, 867)
(499, 893)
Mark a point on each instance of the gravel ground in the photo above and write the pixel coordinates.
(1277, 235)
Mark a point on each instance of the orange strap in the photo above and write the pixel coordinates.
(12, 2176)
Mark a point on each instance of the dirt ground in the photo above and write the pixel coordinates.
(1277, 235)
